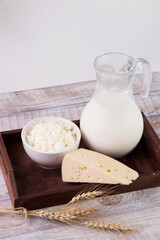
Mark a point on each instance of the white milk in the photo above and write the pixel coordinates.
(111, 123)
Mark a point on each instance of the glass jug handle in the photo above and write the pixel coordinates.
(147, 76)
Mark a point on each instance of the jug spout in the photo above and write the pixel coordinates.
(115, 72)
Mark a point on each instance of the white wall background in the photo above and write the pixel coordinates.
(51, 42)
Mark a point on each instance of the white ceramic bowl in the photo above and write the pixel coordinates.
(46, 159)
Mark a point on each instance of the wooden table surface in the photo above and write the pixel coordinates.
(140, 209)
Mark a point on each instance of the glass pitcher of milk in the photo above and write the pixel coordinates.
(111, 123)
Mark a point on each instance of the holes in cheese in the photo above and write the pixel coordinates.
(88, 166)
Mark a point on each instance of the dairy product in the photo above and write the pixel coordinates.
(88, 166)
(51, 137)
(111, 123)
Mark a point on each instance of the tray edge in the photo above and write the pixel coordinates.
(8, 173)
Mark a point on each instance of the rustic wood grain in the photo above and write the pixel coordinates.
(140, 209)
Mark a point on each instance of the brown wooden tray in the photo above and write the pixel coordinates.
(33, 187)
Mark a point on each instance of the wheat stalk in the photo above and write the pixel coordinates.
(80, 212)
(74, 215)
(106, 226)
(58, 215)
(64, 215)
(93, 192)
(68, 215)
(86, 196)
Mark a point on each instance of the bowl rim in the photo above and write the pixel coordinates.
(78, 133)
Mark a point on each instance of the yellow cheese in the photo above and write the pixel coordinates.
(88, 166)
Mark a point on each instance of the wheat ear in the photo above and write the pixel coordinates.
(64, 215)
(106, 226)
(80, 212)
(86, 196)
(58, 215)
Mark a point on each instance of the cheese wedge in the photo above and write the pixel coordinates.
(88, 166)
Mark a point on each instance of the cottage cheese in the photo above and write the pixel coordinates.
(51, 137)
